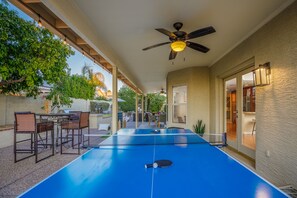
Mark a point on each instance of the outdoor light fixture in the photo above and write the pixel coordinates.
(65, 41)
(39, 21)
(262, 75)
(178, 46)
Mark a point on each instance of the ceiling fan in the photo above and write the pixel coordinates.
(162, 91)
(179, 39)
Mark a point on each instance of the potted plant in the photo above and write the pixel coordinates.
(199, 128)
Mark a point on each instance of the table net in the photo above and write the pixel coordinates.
(158, 137)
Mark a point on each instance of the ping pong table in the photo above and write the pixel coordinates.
(117, 169)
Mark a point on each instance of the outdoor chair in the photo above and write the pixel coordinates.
(76, 127)
(26, 125)
(74, 115)
(180, 119)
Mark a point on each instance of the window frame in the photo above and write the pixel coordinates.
(176, 104)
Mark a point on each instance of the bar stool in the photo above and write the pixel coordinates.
(25, 123)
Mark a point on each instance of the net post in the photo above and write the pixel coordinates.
(224, 139)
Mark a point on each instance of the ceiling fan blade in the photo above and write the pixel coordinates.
(197, 47)
(157, 45)
(166, 32)
(201, 32)
(172, 55)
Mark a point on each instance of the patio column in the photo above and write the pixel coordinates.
(136, 111)
(142, 108)
(114, 126)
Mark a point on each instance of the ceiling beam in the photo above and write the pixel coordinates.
(60, 24)
(103, 61)
(31, 1)
(80, 41)
(93, 53)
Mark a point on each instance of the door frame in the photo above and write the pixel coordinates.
(233, 144)
(237, 144)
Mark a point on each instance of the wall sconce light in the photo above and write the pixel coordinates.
(262, 75)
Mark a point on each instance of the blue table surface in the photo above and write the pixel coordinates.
(198, 170)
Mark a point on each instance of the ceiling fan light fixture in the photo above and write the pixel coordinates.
(178, 46)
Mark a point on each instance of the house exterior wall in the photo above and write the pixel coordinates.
(197, 81)
(276, 111)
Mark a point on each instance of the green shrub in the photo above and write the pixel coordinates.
(199, 128)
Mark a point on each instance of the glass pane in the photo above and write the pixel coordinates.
(179, 94)
(179, 108)
(231, 116)
(179, 113)
(248, 111)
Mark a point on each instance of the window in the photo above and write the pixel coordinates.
(179, 104)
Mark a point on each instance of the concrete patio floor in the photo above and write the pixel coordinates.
(16, 178)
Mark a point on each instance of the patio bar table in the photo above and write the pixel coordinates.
(57, 118)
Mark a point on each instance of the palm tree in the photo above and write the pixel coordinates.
(97, 79)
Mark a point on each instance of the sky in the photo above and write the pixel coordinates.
(76, 61)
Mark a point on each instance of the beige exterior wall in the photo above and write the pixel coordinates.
(11, 104)
(276, 104)
(197, 81)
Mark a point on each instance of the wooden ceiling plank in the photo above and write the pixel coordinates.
(93, 53)
(80, 41)
(32, 1)
(60, 24)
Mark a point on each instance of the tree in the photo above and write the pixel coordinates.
(155, 102)
(128, 95)
(29, 55)
(75, 86)
(97, 79)
(101, 98)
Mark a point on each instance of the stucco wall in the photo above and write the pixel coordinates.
(197, 81)
(276, 112)
(11, 104)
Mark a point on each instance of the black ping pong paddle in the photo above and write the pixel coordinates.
(159, 164)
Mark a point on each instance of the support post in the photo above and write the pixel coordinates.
(136, 111)
(142, 109)
(114, 99)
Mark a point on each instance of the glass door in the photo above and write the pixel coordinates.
(240, 110)
(247, 114)
(231, 111)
